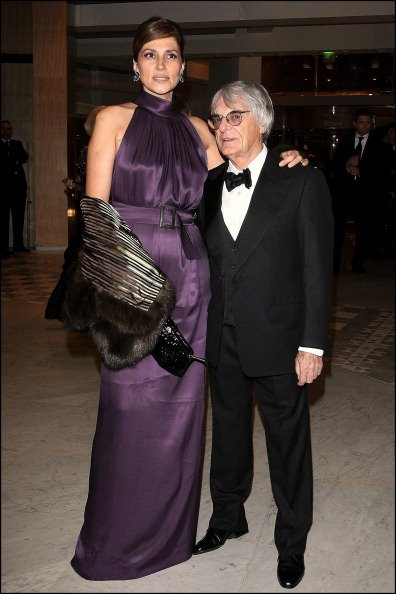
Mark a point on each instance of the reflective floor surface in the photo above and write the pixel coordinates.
(50, 384)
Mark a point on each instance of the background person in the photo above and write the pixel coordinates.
(269, 235)
(14, 188)
(357, 179)
(53, 310)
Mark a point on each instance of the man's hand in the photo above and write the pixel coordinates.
(308, 367)
(352, 161)
(292, 158)
(354, 171)
(352, 165)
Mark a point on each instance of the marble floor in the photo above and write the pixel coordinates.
(50, 381)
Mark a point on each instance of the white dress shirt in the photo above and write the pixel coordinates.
(364, 140)
(235, 204)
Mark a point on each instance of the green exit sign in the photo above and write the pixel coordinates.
(329, 56)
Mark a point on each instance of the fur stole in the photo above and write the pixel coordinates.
(117, 294)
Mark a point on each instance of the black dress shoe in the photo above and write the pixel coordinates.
(290, 570)
(214, 539)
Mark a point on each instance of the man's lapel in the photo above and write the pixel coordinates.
(266, 203)
(214, 217)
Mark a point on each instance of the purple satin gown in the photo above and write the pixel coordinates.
(142, 508)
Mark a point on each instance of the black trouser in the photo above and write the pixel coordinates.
(363, 227)
(13, 202)
(18, 207)
(284, 407)
(4, 223)
(54, 305)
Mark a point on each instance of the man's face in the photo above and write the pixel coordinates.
(242, 143)
(363, 125)
(6, 130)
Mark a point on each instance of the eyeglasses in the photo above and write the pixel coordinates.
(234, 118)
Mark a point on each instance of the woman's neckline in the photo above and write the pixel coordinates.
(156, 105)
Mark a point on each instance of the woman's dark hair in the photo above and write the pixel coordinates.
(156, 28)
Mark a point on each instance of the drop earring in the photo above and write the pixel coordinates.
(136, 76)
(181, 77)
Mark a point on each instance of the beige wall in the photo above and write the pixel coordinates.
(250, 69)
(50, 121)
(34, 98)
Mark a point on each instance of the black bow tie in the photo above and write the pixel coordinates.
(233, 180)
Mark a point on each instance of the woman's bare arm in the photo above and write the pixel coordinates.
(110, 125)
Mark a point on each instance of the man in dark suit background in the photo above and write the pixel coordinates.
(14, 188)
(357, 178)
(269, 234)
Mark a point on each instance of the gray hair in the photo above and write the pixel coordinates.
(254, 95)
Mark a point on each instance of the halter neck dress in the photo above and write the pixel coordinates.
(142, 508)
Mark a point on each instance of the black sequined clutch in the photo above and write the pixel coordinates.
(172, 351)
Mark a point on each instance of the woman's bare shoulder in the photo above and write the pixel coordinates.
(123, 111)
(198, 123)
(202, 128)
(208, 139)
(114, 120)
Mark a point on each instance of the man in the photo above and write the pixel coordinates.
(13, 155)
(357, 179)
(269, 241)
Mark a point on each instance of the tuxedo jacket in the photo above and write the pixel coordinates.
(13, 177)
(372, 167)
(281, 284)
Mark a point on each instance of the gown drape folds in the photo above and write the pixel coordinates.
(142, 507)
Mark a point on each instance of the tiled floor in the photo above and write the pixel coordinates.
(362, 339)
(50, 385)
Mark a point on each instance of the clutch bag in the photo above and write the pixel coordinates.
(172, 351)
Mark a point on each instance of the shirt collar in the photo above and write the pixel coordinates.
(254, 166)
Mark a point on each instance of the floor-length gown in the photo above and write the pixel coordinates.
(142, 508)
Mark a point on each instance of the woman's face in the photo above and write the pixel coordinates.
(159, 64)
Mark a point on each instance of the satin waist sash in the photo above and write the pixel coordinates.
(168, 217)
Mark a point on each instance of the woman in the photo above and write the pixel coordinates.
(53, 310)
(151, 160)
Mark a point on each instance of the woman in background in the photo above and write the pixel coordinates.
(53, 310)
